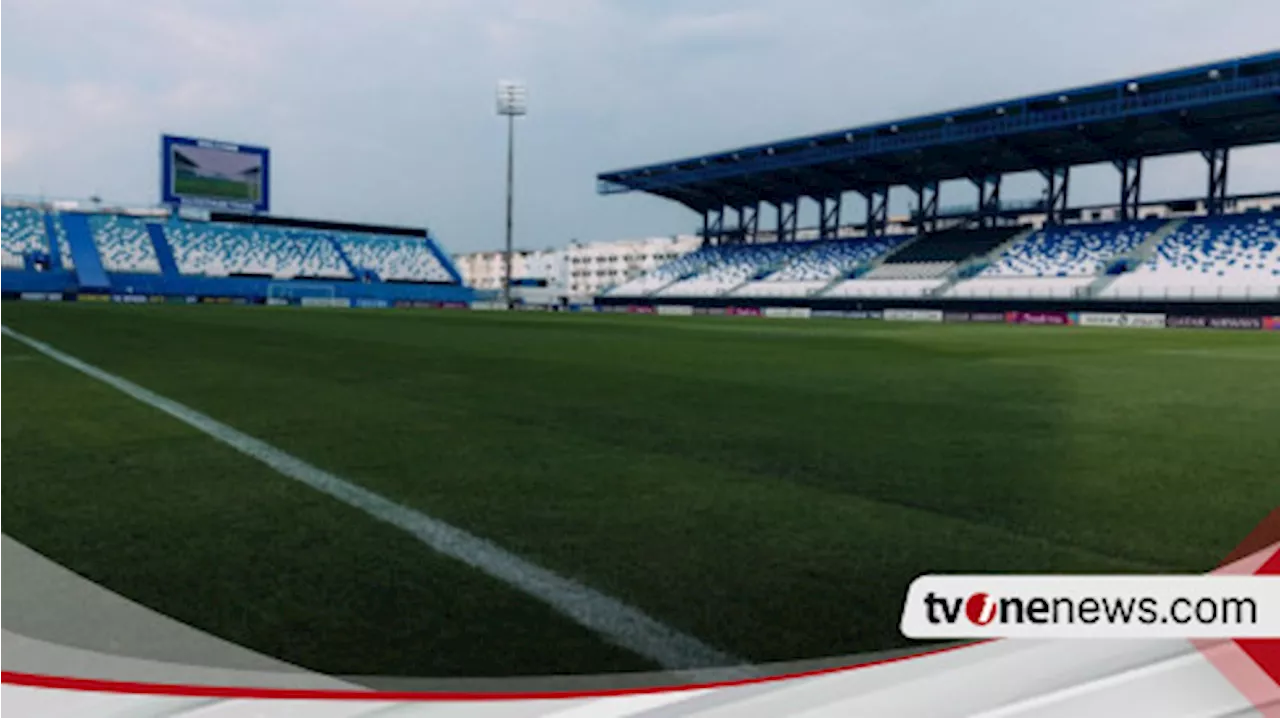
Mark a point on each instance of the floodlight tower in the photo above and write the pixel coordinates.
(512, 103)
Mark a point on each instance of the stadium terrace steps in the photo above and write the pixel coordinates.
(79, 240)
(959, 273)
(1209, 259)
(46, 250)
(1141, 253)
(822, 264)
(952, 245)
(729, 266)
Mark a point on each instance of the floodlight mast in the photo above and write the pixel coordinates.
(512, 103)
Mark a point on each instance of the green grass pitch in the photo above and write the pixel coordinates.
(769, 486)
(193, 186)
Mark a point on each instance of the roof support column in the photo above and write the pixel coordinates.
(988, 198)
(877, 209)
(749, 222)
(787, 219)
(712, 226)
(1216, 201)
(829, 216)
(926, 206)
(1056, 197)
(1130, 186)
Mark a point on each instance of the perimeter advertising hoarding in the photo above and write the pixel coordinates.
(675, 310)
(1106, 319)
(788, 312)
(974, 317)
(1042, 318)
(1201, 322)
(914, 315)
(212, 174)
(1271, 323)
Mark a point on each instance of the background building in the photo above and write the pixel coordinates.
(578, 271)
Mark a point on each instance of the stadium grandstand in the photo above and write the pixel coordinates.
(994, 253)
(63, 248)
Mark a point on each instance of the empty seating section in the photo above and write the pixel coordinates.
(667, 273)
(829, 259)
(123, 244)
(910, 270)
(1021, 288)
(1226, 257)
(884, 288)
(1070, 251)
(730, 265)
(953, 245)
(23, 234)
(394, 258)
(224, 248)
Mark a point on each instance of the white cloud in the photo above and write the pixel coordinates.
(382, 110)
(16, 146)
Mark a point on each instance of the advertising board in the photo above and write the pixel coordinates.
(913, 315)
(1235, 322)
(328, 302)
(1039, 318)
(675, 310)
(1112, 319)
(788, 312)
(1202, 322)
(974, 317)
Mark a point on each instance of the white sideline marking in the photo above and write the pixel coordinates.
(615, 621)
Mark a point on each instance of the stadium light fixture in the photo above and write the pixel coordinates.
(512, 103)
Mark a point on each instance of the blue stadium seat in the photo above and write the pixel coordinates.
(1225, 257)
(394, 258)
(1070, 250)
(727, 266)
(123, 244)
(217, 249)
(683, 266)
(1056, 261)
(23, 234)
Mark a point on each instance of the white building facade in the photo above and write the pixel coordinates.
(578, 271)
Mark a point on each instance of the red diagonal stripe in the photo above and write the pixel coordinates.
(1266, 651)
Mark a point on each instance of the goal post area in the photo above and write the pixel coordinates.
(304, 293)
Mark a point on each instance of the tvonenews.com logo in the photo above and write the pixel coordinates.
(1092, 606)
(982, 609)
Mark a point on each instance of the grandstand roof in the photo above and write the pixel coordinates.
(1223, 104)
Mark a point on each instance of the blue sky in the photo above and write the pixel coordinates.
(383, 110)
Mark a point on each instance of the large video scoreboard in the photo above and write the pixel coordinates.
(215, 175)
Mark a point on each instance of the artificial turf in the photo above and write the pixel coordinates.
(770, 486)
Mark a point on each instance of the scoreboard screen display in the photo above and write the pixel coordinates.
(214, 174)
